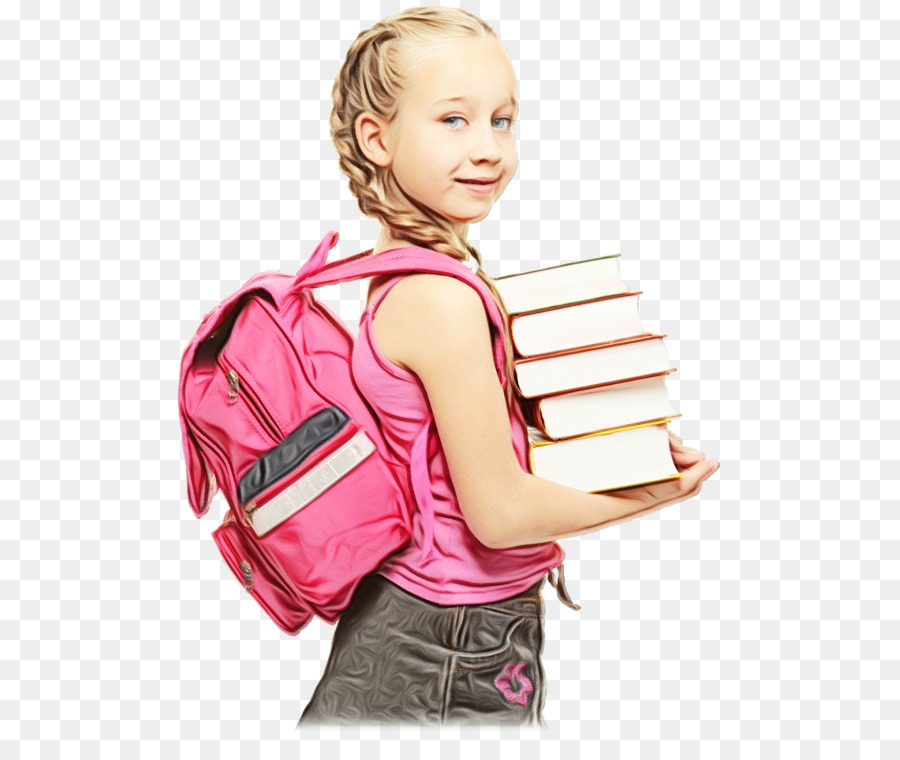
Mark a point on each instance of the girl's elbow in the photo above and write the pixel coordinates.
(492, 537)
(501, 536)
(495, 526)
(495, 514)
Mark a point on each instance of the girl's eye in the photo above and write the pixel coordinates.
(454, 122)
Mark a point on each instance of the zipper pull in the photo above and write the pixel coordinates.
(247, 575)
(234, 386)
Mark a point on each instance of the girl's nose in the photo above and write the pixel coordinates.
(485, 146)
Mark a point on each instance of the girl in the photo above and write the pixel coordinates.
(422, 119)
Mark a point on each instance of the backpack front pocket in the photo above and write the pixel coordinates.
(288, 477)
(261, 576)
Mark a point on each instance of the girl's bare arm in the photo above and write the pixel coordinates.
(436, 327)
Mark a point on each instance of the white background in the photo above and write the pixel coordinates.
(743, 160)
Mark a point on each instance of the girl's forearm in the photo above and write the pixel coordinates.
(539, 510)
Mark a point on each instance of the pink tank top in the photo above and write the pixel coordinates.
(458, 569)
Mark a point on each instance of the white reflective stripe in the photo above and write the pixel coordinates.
(318, 480)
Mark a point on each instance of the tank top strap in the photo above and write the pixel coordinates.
(418, 461)
(370, 309)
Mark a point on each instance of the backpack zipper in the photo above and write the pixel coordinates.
(238, 388)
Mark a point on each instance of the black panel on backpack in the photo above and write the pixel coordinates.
(288, 455)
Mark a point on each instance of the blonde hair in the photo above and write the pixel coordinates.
(370, 79)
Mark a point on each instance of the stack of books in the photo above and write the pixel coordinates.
(592, 375)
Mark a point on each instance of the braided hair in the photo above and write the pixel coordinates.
(371, 79)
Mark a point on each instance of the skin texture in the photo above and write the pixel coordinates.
(436, 326)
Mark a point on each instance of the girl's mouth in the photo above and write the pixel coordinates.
(478, 186)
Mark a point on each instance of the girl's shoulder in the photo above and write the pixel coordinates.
(423, 290)
(418, 290)
(421, 314)
(415, 282)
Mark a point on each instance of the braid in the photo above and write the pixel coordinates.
(370, 79)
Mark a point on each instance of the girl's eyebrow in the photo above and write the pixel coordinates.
(463, 99)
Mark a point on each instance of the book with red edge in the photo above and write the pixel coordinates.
(591, 366)
(568, 326)
(603, 407)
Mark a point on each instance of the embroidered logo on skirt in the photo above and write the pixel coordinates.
(514, 672)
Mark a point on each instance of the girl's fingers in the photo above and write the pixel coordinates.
(683, 456)
(684, 464)
(672, 436)
(687, 459)
(673, 491)
(712, 465)
(693, 477)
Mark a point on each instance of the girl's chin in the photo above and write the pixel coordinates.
(462, 221)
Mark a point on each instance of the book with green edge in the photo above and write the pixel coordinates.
(563, 284)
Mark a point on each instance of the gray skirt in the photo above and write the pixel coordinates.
(398, 658)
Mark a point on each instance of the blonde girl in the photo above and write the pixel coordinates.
(422, 120)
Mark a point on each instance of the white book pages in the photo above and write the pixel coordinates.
(611, 406)
(568, 283)
(578, 325)
(583, 369)
(606, 461)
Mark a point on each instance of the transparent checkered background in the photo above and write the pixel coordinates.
(743, 160)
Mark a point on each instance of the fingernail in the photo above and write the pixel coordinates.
(714, 464)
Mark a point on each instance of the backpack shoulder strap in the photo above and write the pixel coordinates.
(316, 273)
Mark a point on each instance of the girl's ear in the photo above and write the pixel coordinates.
(370, 135)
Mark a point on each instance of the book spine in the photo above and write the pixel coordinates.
(539, 420)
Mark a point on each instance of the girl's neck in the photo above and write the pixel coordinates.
(386, 241)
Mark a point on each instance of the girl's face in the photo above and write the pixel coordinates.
(451, 145)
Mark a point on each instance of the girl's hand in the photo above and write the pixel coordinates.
(695, 469)
(683, 456)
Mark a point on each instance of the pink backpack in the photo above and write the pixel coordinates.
(271, 415)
